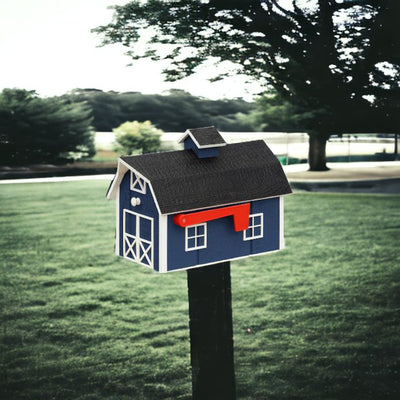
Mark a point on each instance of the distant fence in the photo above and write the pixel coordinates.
(293, 147)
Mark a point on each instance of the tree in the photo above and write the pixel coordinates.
(338, 61)
(37, 130)
(137, 137)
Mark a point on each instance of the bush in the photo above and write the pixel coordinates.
(137, 137)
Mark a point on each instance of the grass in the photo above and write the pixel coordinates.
(320, 320)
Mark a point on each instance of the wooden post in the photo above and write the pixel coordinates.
(211, 334)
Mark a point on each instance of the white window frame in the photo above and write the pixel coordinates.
(248, 234)
(138, 184)
(195, 236)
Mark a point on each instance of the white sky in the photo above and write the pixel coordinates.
(47, 46)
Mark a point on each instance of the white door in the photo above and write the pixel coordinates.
(138, 238)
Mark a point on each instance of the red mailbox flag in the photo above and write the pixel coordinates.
(239, 212)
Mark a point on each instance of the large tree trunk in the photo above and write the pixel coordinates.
(317, 153)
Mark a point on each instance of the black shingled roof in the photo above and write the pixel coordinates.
(206, 137)
(182, 182)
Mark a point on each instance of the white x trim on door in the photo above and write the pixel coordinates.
(136, 247)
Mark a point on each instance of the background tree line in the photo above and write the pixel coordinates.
(61, 129)
(173, 111)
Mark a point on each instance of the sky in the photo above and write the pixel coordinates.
(47, 46)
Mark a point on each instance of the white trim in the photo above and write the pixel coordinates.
(114, 187)
(226, 204)
(135, 245)
(206, 146)
(117, 226)
(252, 226)
(281, 224)
(148, 183)
(136, 172)
(221, 261)
(163, 243)
(139, 184)
(195, 237)
(122, 168)
(155, 199)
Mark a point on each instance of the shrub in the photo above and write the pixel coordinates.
(137, 137)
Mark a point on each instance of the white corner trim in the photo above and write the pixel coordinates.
(117, 227)
(281, 224)
(163, 243)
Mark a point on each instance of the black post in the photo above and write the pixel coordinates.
(211, 334)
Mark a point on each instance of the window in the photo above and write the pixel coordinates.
(138, 184)
(256, 227)
(196, 237)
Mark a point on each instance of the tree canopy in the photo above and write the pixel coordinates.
(42, 130)
(173, 111)
(337, 62)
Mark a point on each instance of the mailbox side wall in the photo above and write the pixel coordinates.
(146, 208)
(223, 242)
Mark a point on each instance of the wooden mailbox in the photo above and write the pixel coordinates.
(209, 203)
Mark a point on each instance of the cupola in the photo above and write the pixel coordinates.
(205, 142)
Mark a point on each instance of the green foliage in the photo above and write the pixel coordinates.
(173, 111)
(276, 113)
(319, 320)
(337, 61)
(137, 137)
(42, 130)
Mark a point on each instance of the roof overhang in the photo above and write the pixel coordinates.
(198, 145)
(122, 168)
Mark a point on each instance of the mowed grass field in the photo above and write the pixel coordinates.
(317, 321)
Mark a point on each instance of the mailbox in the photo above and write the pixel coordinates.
(209, 203)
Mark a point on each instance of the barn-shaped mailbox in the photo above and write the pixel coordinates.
(208, 203)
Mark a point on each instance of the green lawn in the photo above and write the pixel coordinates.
(320, 320)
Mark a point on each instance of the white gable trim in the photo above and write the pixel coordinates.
(208, 146)
(114, 188)
(122, 168)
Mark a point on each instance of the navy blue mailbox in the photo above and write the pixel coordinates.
(209, 203)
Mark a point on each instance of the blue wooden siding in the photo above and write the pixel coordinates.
(223, 242)
(147, 207)
(177, 256)
(201, 153)
(270, 241)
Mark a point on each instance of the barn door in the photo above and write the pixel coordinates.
(138, 238)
